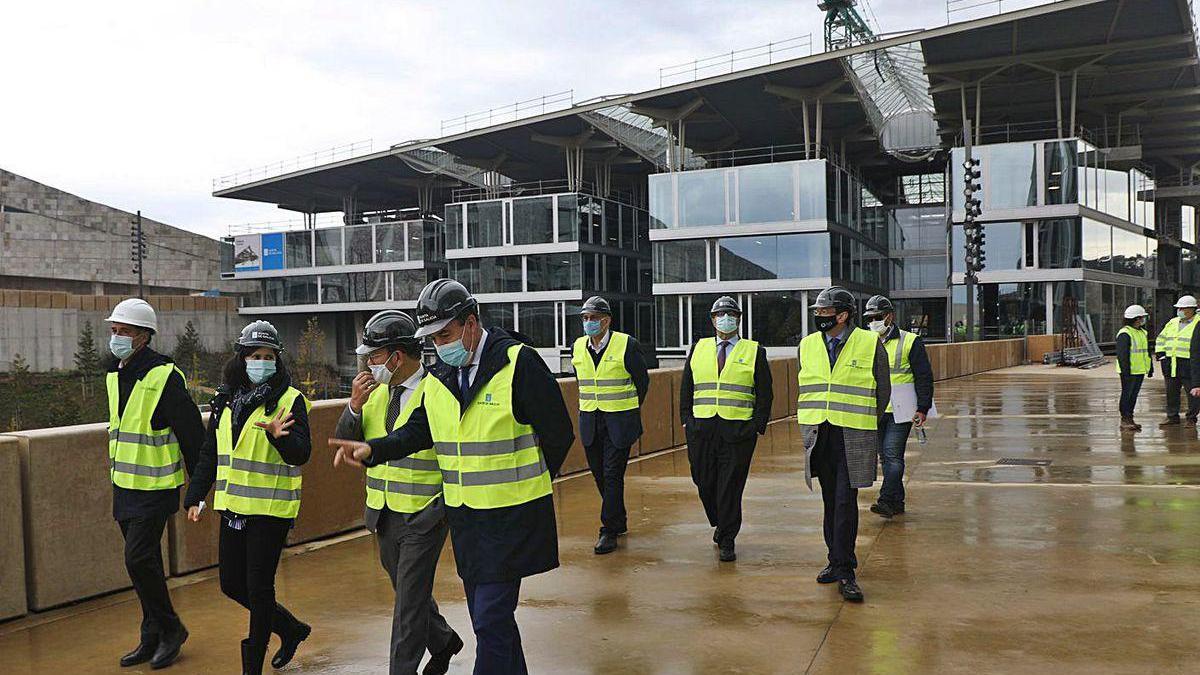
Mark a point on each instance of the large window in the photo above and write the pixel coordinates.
(1188, 224)
(533, 220)
(1115, 193)
(789, 256)
(389, 242)
(368, 287)
(500, 274)
(359, 247)
(289, 291)
(1129, 252)
(485, 224)
(778, 319)
(1010, 171)
(453, 226)
(614, 274)
(1002, 246)
(407, 284)
(568, 217)
(679, 261)
(1059, 245)
(918, 228)
(662, 201)
(335, 288)
(298, 249)
(329, 246)
(1062, 170)
(701, 198)
(922, 273)
(1097, 245)
(702, 326)
(765, 193)
(667, 321)
(537, 322)
(553, 272)
(416, 239)
(497, 314)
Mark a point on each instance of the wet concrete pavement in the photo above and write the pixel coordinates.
(1090, 564)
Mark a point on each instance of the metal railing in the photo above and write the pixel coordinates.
(534, 189)
(284, 166)
(509, 113)
(737, 59)
(957, 10)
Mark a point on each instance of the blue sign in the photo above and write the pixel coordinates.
(272, 251)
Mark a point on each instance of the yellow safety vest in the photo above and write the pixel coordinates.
(845, 394)
(488, 459)
(898, 350)
(1139, 350)
(606, 387)
(252, 479)
(729, 395)
(140, 456)
(1176, 341)
(404, 485)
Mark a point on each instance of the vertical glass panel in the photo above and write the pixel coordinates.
(1010, 175)
(701, 321)
(749, 258)
(812, 190)
(645, 276)
(500, 274)
(628, 228)
(678, 261)
(1059, 244)
(416, 239)
(612, 228)
(533, 220)
(1129, 252)
(591, 275)
(1188, 224)
(335, 288)
(1062, 173)
(765, 193)
(295, 290)
(614, 272)
(453, 226)
(537, 322)
(591, 224)
(485, 224)
(226, 250)
(467, 273)
(1116, 193)
(552, 272)
(1097, 245)
(568, 217)
(701, 197)
(389, 242)
(662, 201)
(298, 249)
(359, 246)
(368, 287)
(497, 314)
(407, 284)
(1002, 246)
(958, 249)
(329, 246)
(957, 157)
(803, 256)
(923, 273)
(778, 318)
(667, 318)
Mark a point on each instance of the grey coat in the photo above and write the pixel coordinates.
(862, 447)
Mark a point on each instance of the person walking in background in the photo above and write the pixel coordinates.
(1133, 362)
(844, 386)
(154, 431)
(404, 496)
(912, 384)
(258, 438)
(1173, 348)
(724, 404)
(613, 381)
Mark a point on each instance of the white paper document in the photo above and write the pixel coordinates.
(904, 403)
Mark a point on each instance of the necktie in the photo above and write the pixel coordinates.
(833, 350)
(464, 381)
(721, 356)
(394, 406)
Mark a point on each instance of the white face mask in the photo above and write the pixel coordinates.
(878, 326)
(380, 373)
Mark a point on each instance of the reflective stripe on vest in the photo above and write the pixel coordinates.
(729, 395)
(488, 460)
(252, 479)
(1139, 350)
(140, 456)
(898, 350)
(606, 386)
(404, 485)
(845, 394)
(1176, 341)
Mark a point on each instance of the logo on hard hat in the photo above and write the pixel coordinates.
(257, 335)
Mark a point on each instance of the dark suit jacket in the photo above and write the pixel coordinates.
(624, 428)
(505, 544)
(730, 430)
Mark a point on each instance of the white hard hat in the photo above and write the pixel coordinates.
(135, 312)
(1135, 311)
(1186, 301)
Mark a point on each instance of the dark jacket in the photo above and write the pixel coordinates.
(1183, 367)
(1124, 345)
(730, 430)
(1195, 351)
(624, 428)
(175, 411)
(505, 544)
(295, 448)
(922, 371)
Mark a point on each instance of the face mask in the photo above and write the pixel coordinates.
(259, 371)
(878, 326)
(121, 346)
(825, 323)
(380, 373)
(727, 324)
(1182, 315)
(591, 327)
(454, 354)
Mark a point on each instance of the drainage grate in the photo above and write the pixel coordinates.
(1017, 461)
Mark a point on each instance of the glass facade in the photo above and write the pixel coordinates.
(783, 192)
(553, 272)
(765, 194)
(680, 261)
(786, 256)
(1010, 174)
(777, 318)
(328, 246)
(533, 220)
(485, 224)
(298, 249)
(1059, 244)
(495, 274)
(537, 321)
(359, 245)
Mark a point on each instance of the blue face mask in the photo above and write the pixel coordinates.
(259, 371)
(591, 327)
(1181, 314)
(727, 324)
(121, 346)
(454, 354)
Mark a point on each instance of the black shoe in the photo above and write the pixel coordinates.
(1190, 423)
(827, 575)
(606, 544)
(169, 645)
(727, 553)
(143, 653)
(898, 508)
(850, 590)
(1170, 422)
(252, 658)
(882, 508)
(289, 644)
(439, 663)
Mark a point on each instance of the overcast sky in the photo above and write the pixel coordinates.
(141, 104)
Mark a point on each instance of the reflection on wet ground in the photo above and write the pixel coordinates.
(1090, 564)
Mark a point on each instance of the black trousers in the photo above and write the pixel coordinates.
(719, 470)
(828, 461)
(493, 610)
(1174, 385)
(143, 561)
(608, 463)
(249, 558)
(1131, 385)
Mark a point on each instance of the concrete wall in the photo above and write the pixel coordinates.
(68, 524)
(43, 326)
(12, 531)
